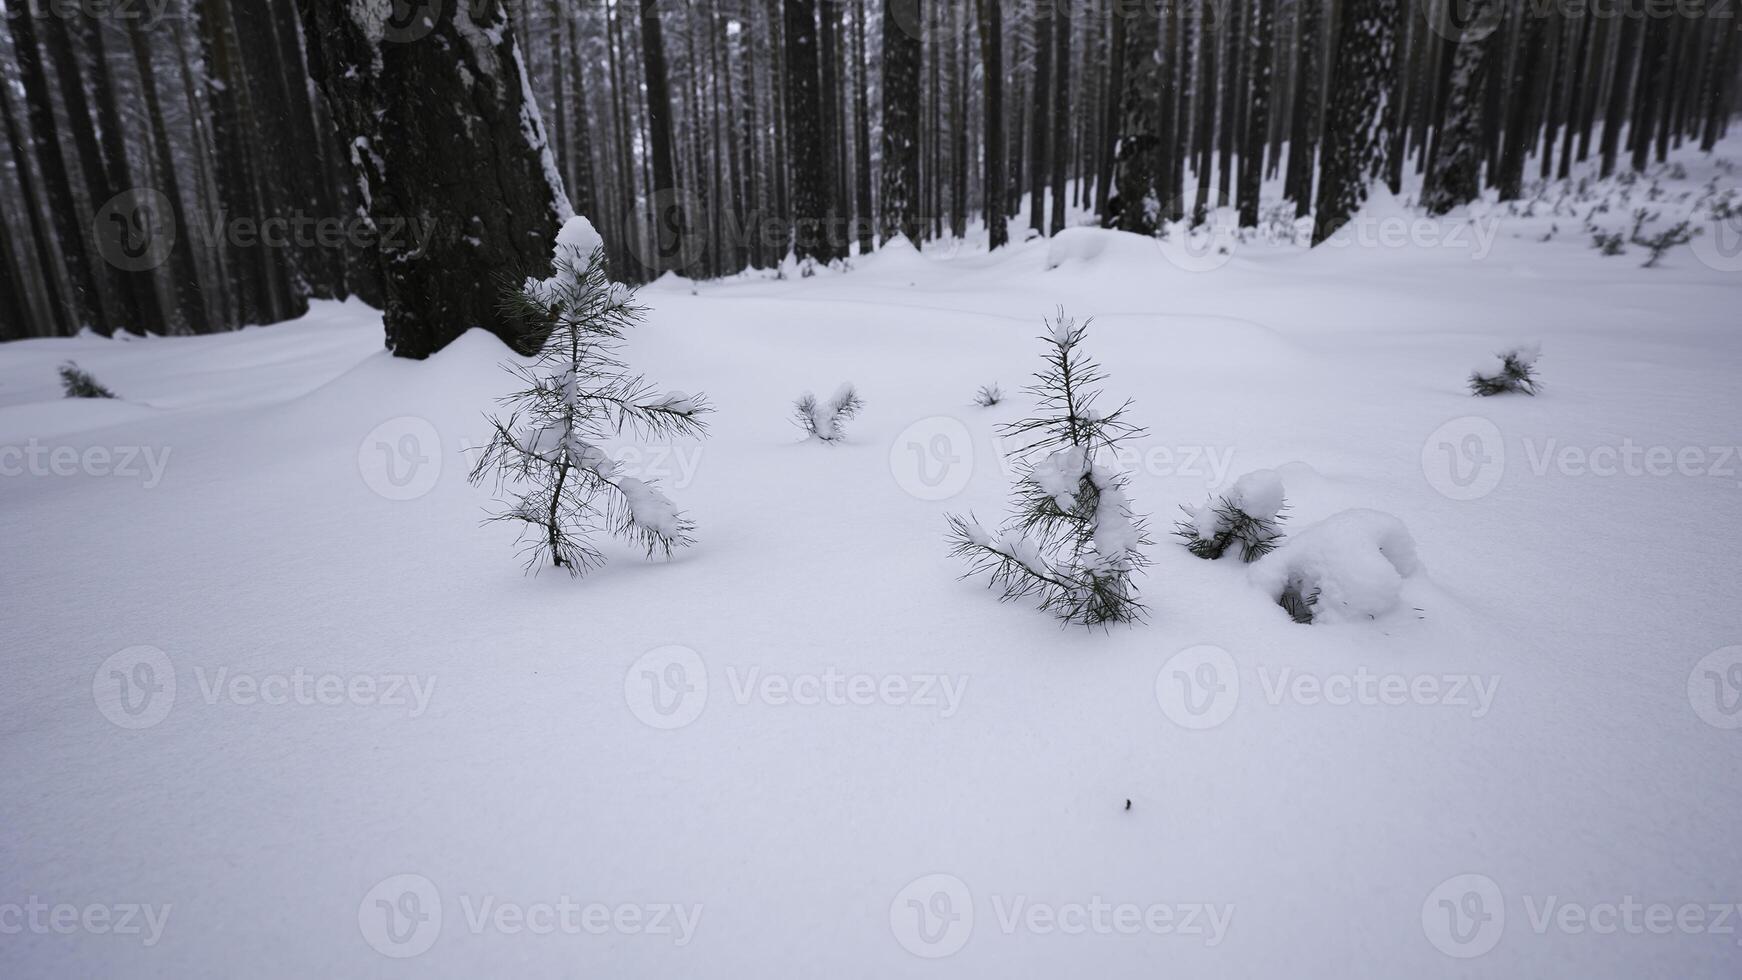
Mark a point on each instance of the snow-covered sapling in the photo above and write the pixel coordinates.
(1350, 567)
(988, 395)
(547, 454)
(825, 419)
(1074, 540)
(1247, 517)
(1510, 370)
(78, 383)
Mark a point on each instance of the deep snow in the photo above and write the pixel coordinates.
(804, 746)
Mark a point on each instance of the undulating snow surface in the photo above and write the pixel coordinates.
(270, 685)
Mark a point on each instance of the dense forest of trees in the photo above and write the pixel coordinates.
(184, 166)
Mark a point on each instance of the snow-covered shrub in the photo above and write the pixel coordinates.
(78, 383)
(826, 420)
(1074, 540)
(1248, 515)
(1509, 370)
(988, 395)
(548, 454)
(1348, 567)
(1679, 233)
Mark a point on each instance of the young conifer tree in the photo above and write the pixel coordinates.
(548, 454)
(1074, 541)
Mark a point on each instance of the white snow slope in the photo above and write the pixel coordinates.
(291, 699)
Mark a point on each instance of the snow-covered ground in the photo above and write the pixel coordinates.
(276, 704)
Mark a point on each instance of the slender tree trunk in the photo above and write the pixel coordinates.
(996, 179)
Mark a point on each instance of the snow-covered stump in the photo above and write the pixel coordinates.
(1074, 542)
(548, 453)
(1512, 370)
(825, 420)
(1248, 515)
(1349, 567)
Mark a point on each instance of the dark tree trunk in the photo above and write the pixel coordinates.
(812, 182)
(1454, 177)
(1110, 116)
(901, 108)
(1257, 117)
(184, 280)
(1355, 137)
(440, 135)
(997, 175)
(1308, 86)
(1039, 130)
(1061, 113)
(866, 224)
(55, 170)
(1135, 174)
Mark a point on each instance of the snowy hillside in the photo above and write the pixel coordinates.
(264, 661)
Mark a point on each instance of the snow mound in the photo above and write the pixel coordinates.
(1100, 247)
(1348, 567)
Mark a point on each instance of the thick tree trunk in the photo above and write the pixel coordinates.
(444, 145)
(1355, 137)
(1135, 174)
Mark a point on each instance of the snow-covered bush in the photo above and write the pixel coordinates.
(1679, 233)
(1348, 567)
(78, 383)
(548, 454)
(1248, 515)
(825, 420)
(1074, 540)
(988, 395)
(1509, 370)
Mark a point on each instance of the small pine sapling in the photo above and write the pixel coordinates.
(548, 453)
(1511, 370)
(988, 395)
(78, 383)
(825, 420)
(1248, 516)
(1074, 540)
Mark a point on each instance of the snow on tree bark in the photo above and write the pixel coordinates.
(1355, 137)
(450, 159)
(1454, 178)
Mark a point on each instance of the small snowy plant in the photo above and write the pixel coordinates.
(1510, 370)
(547, 455)
(1248, 518)
(78, 383)
(988, 395)
(1350, 567)
(825, 419)
(1074, 540)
